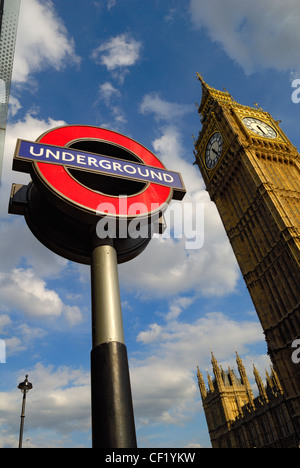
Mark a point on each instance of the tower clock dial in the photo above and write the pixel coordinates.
(213, 150)
(260, 128)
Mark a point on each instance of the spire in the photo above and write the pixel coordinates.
(260, 385)
(217, 371)
(210, 384)
(205, 87)
(211, 95)
(242, 371)
(233, 378)
(244, 378)
(269, 380)
(201, 384)
(239, 360)
(276, 381)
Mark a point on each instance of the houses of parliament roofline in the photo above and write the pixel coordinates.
(224, 380)
(237, 419)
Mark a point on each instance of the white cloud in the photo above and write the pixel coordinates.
(24, 289)
(60, 398)
(25, 338)
(214, 329)
(17, 241)
(154, 333)
(164, 383)
(177, 306)
(107, 91)
(255, 34)
(111, 4)
(4, 322)
(163, 110)
(42, 40)
(72, 314)
(109, 94)
(160, 391)
(166, 267)
(14, 106)
(29, 128)
(21, 289)
(118, 52)
(169, 148)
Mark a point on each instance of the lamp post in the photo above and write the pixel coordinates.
(24, 387)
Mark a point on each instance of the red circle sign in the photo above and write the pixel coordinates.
(152, 199)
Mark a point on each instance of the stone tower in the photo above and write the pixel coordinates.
(252, 174)
(237, 419)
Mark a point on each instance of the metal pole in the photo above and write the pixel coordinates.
(22, 421)
(112, 410)
(24, 387)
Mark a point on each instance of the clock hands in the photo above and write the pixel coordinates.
(262, 131)
(259, 127)
(213, 150)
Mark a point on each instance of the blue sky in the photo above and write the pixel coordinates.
(130, 66)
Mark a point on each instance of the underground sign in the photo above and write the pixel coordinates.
(90, 167)
(81, 174)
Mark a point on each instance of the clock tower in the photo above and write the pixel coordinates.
(252, 174)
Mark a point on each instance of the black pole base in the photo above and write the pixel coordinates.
(112, 411)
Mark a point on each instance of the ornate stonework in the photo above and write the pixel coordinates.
(252, 173)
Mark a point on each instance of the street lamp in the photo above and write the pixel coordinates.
(24, 387)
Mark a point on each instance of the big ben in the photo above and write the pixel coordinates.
(252, 174)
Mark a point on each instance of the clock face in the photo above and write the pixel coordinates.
(260, 128)
(214, 150)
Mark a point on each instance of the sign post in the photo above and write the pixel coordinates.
(83, 176)
(112, 410)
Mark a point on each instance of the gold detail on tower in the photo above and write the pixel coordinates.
(256, 188)
(237, 419)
